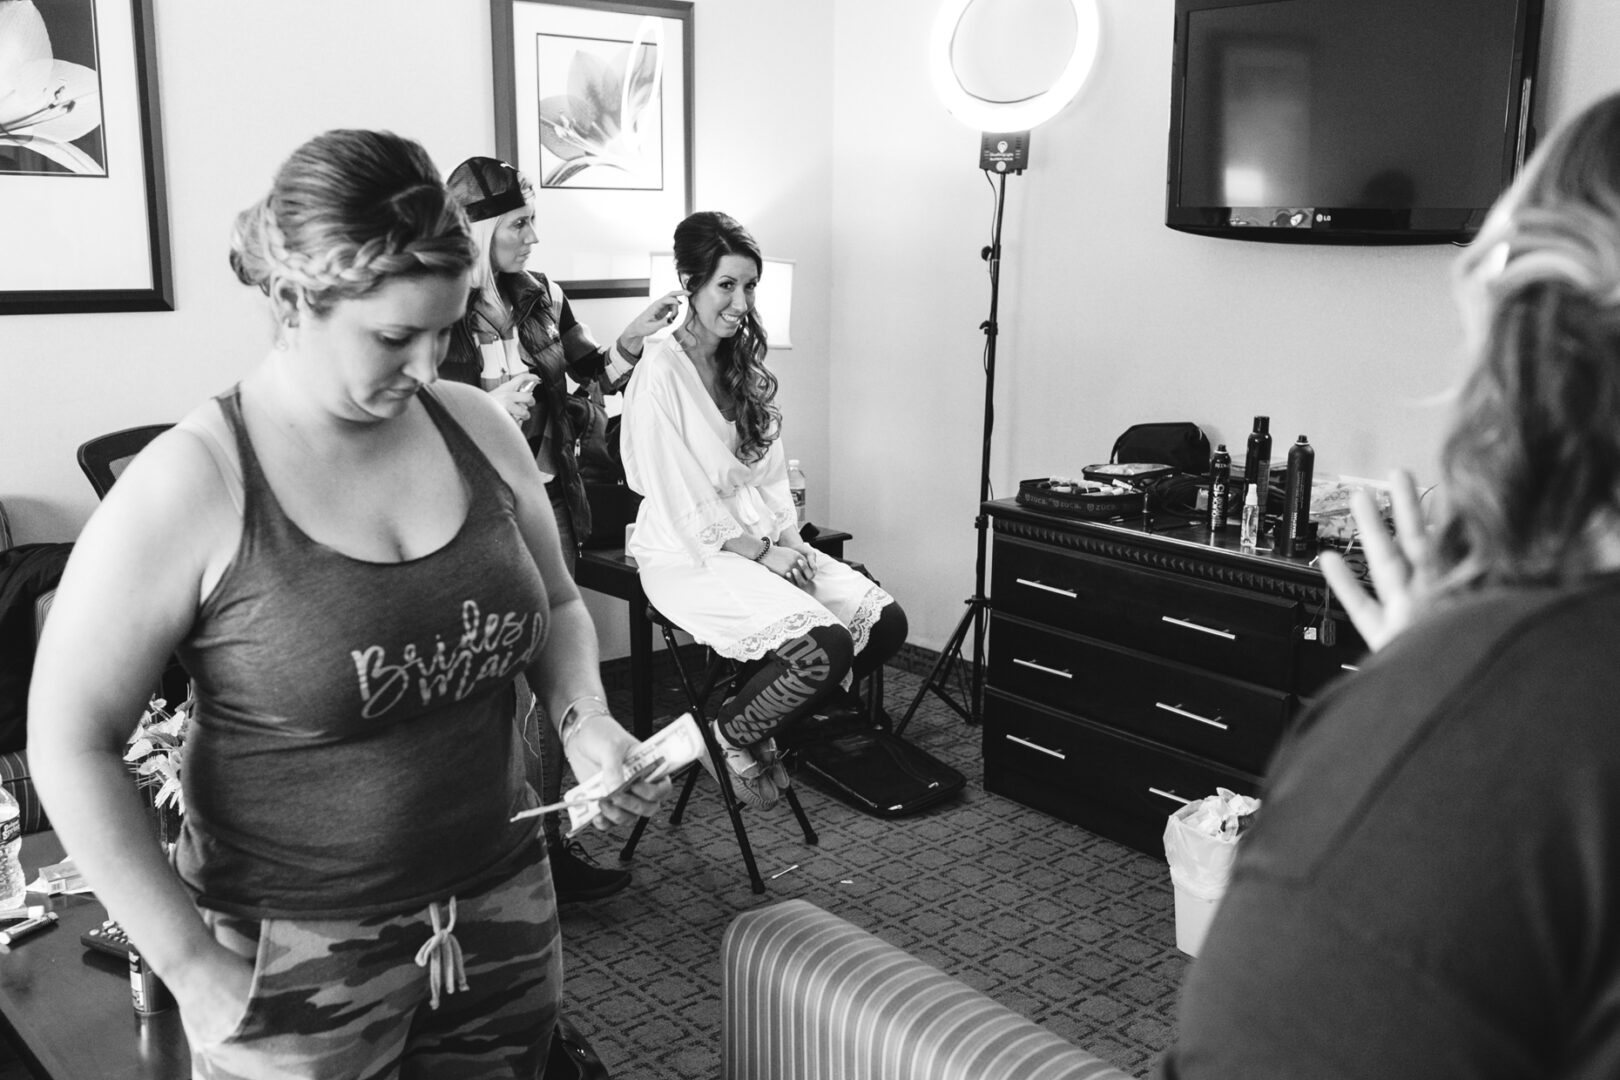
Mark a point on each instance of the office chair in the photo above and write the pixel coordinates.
(104, 457)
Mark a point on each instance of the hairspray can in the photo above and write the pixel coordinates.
(1220, 488)
(1297, 497)
(146, 990)
(1257, 467)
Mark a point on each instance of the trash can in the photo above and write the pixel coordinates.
(1200, 842)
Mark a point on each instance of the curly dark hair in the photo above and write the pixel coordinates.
(1532, 461)
(701, 241)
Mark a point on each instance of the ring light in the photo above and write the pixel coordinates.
(983, 114)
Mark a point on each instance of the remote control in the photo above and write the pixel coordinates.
(108, 938)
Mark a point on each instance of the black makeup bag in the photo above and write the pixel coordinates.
(1180, 444)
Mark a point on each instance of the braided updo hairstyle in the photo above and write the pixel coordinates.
(348, 210)
(701, 241)
(1532, 463)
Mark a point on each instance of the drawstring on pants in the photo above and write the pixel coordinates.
(441, 955)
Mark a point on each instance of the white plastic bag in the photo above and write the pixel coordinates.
(1200, 842)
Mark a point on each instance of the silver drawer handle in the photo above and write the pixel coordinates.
(1194, 626)
(1043, 668)
(1348, 667)
(1189, 715)
(1036, 746)
(1167, 795)
(1070, 593)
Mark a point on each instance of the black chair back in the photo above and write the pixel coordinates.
(105, 456)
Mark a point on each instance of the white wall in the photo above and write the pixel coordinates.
(240, 85)
(1107, 317)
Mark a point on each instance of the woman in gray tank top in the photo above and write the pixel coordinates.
(355, 565)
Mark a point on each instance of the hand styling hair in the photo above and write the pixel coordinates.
(701, 241)
(1532, 463)
(348, 210)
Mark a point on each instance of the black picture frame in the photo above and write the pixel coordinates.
(121, 39)
(593, 234)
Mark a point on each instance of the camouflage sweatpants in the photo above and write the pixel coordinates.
(336, 998)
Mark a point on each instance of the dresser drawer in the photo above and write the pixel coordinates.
(1115, 785)
(1242, 634)
(1235, 723)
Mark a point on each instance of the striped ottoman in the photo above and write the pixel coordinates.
(808, 996)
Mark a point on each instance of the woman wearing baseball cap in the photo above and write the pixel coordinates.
(519, 340)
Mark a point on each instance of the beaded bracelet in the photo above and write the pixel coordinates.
(764, 549)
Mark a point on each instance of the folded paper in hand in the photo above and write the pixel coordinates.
(672, 747)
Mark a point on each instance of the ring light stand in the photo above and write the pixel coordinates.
(978, 605)
(999, 154)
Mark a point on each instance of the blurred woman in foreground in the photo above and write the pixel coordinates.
(1430, 886)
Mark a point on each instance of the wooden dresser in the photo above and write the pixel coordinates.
(1130, 671)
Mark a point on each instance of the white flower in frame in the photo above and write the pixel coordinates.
(607, 115)
(45, 103)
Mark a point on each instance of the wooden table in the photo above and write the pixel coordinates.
(611, 571)
(66, 1008)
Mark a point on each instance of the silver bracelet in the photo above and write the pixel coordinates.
(572, 716)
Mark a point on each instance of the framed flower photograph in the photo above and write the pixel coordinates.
(593, 105)
(83, 207)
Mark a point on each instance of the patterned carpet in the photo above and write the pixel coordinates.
(1073, 931)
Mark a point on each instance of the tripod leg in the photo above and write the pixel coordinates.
(942, 669)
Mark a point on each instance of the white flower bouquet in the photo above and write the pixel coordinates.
(157, 751)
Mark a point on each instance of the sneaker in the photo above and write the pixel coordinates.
(751, 779)
(770, 759)
(576, 876)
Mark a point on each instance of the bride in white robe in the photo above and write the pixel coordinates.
(680, 453)
(717, 539)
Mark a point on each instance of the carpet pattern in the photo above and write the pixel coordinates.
(1072, 930)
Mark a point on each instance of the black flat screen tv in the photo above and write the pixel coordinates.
(1348, 121)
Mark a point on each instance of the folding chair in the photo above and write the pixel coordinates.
(720, 676)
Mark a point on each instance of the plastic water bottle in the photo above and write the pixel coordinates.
(796, 488)
(12, 882)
